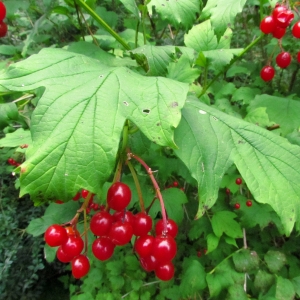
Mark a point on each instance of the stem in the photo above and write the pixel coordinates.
(85, 232)
(137, 185)
(245, 238)
(102, 23)
(144, 12)
(154, 182)
(235, 59)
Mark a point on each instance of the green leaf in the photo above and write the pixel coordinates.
(223, 222)
(283, 111)
(16, 138)
(8, 50)
(263, 281)
(90, 119)
(259, 117)
(245, 94)
(235, 292)
(193, 279)
(199, 227)
(8, 113)
(296, 284)
(132, 7)
(224, 13)
(49, 253)
(177, 12)
(284, 289)
(275, 260)
(210, 142)
(246, 261)
(230, 241)
(212, 242)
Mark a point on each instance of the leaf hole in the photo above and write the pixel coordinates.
(125, 103)
(174, 104)
(146, 111)
(202, 112)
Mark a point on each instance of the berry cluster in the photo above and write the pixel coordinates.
(116, 229)
(3, 26)
(12, 162)
(276, 24)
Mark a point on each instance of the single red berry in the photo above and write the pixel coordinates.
(149, 263)
(2, 11)
(277, 11)
(164, 248)
(80, 266)
(278, 32)
(205, 251)
(175, 184)
(238, 181)
(283, 59)
(72, 231)
(282, 16)
(172, 228)
(62, 256)
(142, 224)
(84, 194)
(3, 29)
(120, 233)
(73, 246)
(267, 25)
(199, 254)
(101, 223)
(237, 206)
(103, 248)
(59, 202)
(76, 197)
(298, 57)
(165, 271)
(249, 203)
(267, 73)
(124, 216)
(88, 210)
(118, 196)
(55, 235)
(227, 191)
(296, 30)
(143, 245)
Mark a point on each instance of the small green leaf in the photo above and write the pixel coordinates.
(230, 241)
(263, 281)
(212, 242)
(259, 117)
(49, 253)
(8, 113)
(132, 7)
(296, 284)
(235, 292)
(246, 261)
(199, 227)
(284, 289)
(245, 94)
(223, 222)
(136, 284)
(275, 260)
(16, 138)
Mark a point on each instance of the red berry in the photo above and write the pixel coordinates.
(164, 248)
(142, 224)
(175, 184)
(278, 32)
(282, 16)
(72, 231)
(55, 235)
(165, 271)
(296, 30)
(283, 59)
(80, 266)
(101, 223)
(73, 246)
(120, 233)
(199, 254)
(238, 181)
(227, 191)
(11, 161)
(148, 263)
(249, 203)
(267, 73)
(59, 202)
(237, 206)
(2, 11)
(124, 216)
(267, 25)
(118, 196)
(172, 228)
(103, 248)
(3, 29)
(143, 245)
(277, 12)
(76, 197)
(62, 256)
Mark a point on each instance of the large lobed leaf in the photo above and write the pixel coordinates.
(77, 124)
(210, 141)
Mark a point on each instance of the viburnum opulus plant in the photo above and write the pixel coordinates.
(168, 170)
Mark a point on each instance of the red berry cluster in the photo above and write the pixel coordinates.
(3, 26)
(238, 206)
(12, 162)
(117, 229)
(276, 24)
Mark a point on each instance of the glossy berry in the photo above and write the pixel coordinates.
(164, 248)
(2, 11)
(118, 196)
(227, 191)
(62, 256)
(283, 59)
(3, 29)
(249, 203)
(172, 228)
(175, 184)
(80, 266)
(267, 73)
(165, 271)
(73, 246)
(124, 216)
(120, 233)
(237, 206)
(267, 25)
(282, 16)
(143, 245)
(278, 32)
(55, 235)
(101, 223)
(238, 181)
(76, 197)
(149, 263)
(296, 30)
(72, 231)
(142, 224)
(103, 248)
(11, 161)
